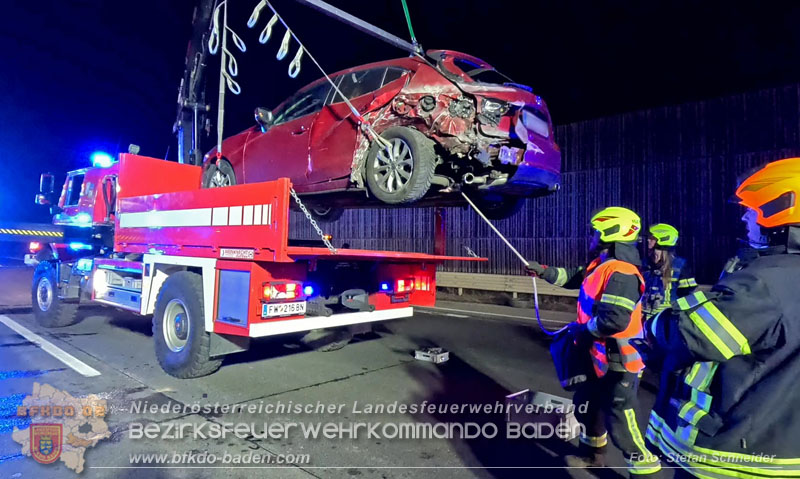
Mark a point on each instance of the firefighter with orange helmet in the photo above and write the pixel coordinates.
(727, 400)
(609, 316)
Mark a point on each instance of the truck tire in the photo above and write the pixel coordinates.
(50, 311)
(406, 177)
(219, 175)
(326, 214)
(181, 342)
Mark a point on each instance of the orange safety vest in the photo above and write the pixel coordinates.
(615, 352)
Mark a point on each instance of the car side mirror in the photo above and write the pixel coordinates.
(46, 184)
(264, 118)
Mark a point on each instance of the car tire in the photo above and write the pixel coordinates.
(219, 175)
(181, 342)
(50, 311)
(414, 157)
(325, 214)
(499, 208)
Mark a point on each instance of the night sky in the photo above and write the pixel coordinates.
(80, 76)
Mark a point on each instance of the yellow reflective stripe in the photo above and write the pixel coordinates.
(658, 432)
(687, 283)
(711, 336)
(691, 301)
(727, 325)
(720, 331)
(618, 301)
(561, 279)
(595, 441)
(701, 374)
(636, 434)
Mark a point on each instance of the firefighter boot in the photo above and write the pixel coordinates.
(587, 457)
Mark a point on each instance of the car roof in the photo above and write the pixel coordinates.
(409, 63)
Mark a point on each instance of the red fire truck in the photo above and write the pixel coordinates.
(214, 267)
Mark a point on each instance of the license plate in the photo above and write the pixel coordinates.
(283, 309)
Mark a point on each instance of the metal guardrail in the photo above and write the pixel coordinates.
(506, 283)
(499, 282)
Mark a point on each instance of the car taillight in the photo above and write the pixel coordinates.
(284, 291)
(34, 246)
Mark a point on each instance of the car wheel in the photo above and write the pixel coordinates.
(219, 175)
(405, 175)
(182, 344)
(50, 311)
(499, 207)
(327, 214)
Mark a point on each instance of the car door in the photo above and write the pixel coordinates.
(333, 139)
(282, 150)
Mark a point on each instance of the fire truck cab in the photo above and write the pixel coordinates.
(215, 268)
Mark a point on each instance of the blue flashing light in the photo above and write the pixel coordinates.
(76, 246)
(385, 286)
(83, 218)
(308, 290)
(101, 159)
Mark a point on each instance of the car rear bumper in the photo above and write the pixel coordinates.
(530, 181)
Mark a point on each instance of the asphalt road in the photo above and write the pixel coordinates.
(493, 351)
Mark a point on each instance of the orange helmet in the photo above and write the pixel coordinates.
(772, 192)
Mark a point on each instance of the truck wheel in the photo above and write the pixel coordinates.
(327, 214)
(181, 341)
(499, 208)
(405, 176)
(219, 175)
(49, 309)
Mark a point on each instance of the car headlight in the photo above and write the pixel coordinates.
(494, 107)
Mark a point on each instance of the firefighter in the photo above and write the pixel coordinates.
(667, 277)
(609, 315)
(730, 358)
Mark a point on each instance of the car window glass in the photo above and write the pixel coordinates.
(303, 103)
(74, 191)
(355, 84)
(392, 74)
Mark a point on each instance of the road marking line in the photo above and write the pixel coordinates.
(455, 315)
(79, 366)
(493, 314)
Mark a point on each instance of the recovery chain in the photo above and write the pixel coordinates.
(312, 221)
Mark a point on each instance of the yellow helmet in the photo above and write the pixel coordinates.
(665, 235)
(617, 224)
(772, 192)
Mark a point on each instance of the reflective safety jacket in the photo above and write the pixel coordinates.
(728, 403)
(657, 295)
(609, 305)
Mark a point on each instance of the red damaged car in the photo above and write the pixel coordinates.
(454, 123)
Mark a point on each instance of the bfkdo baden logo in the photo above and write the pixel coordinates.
(62, 426)
(46, 442)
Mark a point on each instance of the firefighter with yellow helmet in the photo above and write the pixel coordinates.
(667, 276)
(727, 402)
(609, 316)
